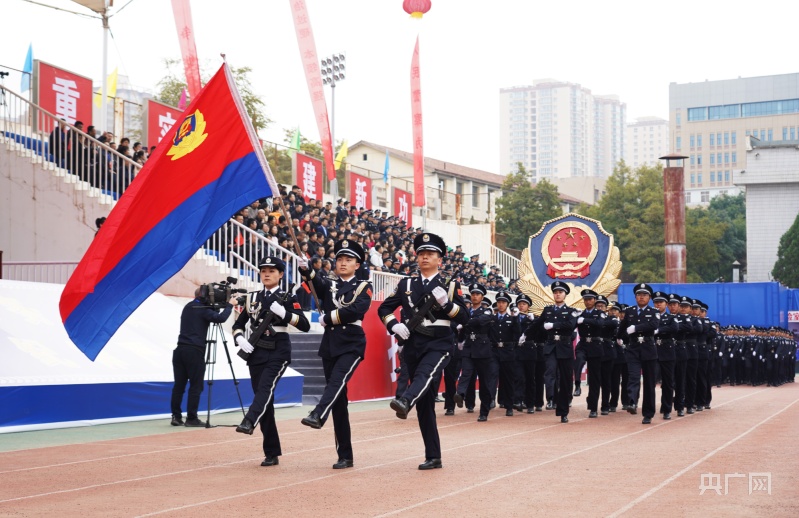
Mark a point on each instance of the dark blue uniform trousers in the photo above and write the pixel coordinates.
(338, 372)
(264, 378)
(188, 365)
(423, 370)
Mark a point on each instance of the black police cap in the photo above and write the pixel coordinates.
(271, 261)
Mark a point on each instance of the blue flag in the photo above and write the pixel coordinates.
(385, 169)
(27, 71)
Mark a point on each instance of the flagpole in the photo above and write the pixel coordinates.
(104, 92)
(298, 250)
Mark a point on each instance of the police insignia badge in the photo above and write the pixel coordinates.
(572, 249)
(425, 238)
(189, 135)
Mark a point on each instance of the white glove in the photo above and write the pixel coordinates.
(460, 326)
(302, 262)
(548, 326)
(322, 319)
(244, 344)
(580, 320)
(656, 331)
(277, 309)
(631, 330)
(515, 312)
(401, 330)
(620, 342)
(521, 340)
(441, 296)
(722, 354)
(460, 345)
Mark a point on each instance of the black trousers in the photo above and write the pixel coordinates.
(188, 365)
(594, 382)
(338, 372)
(402, 378)
(484, 369)
(540, 367)
(619, 377)
(264, 378)
(667, 386)
(422, 394)
(451, 373)
(701, 382)
(636, 368)
(690, 382)
(579, 361)
(680, 372)
(563, 369)
(507, 383)
(518, 383)
(527, 383)
(606, 370)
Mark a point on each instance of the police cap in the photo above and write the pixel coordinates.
(271, 261)
(559, 285)
(431, 242)
(349, 248)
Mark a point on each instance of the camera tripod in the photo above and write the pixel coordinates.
(214, 332)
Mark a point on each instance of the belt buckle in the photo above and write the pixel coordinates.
(500, 344)
(659, 341)
(556, 338)
(641, 339)
(472, 337)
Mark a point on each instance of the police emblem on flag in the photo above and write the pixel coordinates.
(189, 135)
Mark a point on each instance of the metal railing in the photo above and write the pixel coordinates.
(384, 284)
(54, 272)
(95, 168)
(508, 265)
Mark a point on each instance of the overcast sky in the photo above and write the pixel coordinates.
(469, 50)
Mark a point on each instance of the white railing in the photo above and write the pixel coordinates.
(384, 284)
(54, 272)
(95, 168)
(508, 265)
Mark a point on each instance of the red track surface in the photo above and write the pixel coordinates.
(510, 466)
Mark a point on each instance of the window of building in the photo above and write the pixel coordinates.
(718, 158)
(699, 178)
(704, 196)
(679, 142)
(699, 141)
(793, 133)
(697, 114)
(693, 159)
(748, 133)
(441, 185)
(762, 135)
(734, 157)
(712, 158)
(729, 111)
(458, 187)
(712, 139)
(718, 138)
(726, 158)
(679, 119)
(770, 108)
(712, 177)
(698, 159)
(693, 178)
(726, 177)
(785, 133)
(770, 134)
(475, 196)
(732, 138)
(365, 157)
(726, 138)
(693, 141)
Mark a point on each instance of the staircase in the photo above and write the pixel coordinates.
(306, 361)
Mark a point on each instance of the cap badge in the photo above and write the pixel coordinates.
(345, 243)
(425, 238)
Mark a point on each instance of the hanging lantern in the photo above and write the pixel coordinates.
(416, 8)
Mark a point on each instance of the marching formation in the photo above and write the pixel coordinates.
(506, 355)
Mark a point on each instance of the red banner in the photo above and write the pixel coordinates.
(62, 93)
(160, 119)
(188, 49)
(418, 141)
(309, 177)
(402, 205)
(373, 377)
(360, 191)
(313, 75)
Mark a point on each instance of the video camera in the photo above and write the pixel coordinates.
(216, 294)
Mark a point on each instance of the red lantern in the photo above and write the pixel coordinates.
(416, 8)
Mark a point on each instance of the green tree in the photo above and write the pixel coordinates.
(704, 234)
(785, 269)
(171, 86)
(522, 208)
(730, 210)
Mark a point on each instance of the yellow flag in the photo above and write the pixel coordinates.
(112, 88)
(342, 154)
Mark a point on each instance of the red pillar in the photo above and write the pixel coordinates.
(674, 205)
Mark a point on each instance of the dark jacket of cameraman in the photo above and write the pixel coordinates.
(255, 308)
(194, 322)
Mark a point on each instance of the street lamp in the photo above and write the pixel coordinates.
(333, 72)
(736, 271)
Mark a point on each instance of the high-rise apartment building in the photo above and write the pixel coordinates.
(710, 120)
(558, 129)
(646, 140)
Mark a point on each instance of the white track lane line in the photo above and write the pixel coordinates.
(550, 461)
(695, 464)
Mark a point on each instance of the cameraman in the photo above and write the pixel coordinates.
(188, 358)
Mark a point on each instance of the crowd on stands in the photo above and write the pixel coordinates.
(73, 151)
(317, 226)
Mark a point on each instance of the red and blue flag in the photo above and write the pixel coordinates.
(208, 167)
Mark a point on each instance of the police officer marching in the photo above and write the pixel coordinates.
(344, 301)
(559, 321)
(504, 342)
(607, 333)
(619, 376)
(639, 323)
(668, 329)
(429, 343)
(268, 354)
(589, 325)
(526, 355)
(476, 356)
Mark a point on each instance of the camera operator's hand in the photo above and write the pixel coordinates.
(233, 300)
(278, 309)
(244, 344)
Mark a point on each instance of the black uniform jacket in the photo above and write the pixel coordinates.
(507, 334)
(408, 294)
(559, 338)
(641, 342)
(668, 329)
(477, 333)
(344, 304)
(256, 306)
(594, 321)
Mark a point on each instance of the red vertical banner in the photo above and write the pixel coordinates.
(360, 191)
(313, 75)
(418, 140)
(188, 49)
(372, 378)
(309, 177)
(66, 95)
(402, 205)
(160, 119)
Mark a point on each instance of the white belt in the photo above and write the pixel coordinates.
(439, 322)
(356, 323)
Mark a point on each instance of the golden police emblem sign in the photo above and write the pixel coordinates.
(190, 134)
(572, 249)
